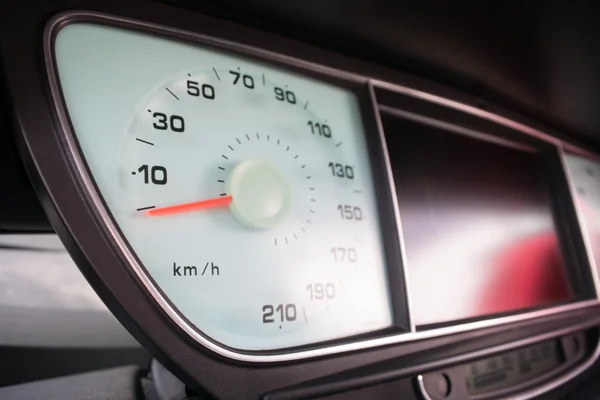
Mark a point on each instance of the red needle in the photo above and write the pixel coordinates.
(194, 206)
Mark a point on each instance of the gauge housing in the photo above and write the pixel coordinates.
(195, 143)
(305, 372)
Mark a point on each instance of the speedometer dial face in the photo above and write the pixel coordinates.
(244, 192)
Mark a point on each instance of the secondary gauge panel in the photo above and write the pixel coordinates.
(243, 194)
(584, 171)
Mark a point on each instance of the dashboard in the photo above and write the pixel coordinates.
(277, 223)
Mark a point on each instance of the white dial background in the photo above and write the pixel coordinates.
(115, 81)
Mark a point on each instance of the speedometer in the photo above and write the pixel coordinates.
(245, 194)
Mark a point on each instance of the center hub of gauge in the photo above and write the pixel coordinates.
(262, 195)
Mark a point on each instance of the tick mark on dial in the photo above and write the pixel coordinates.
(268, 137)
(133, 173)
(308, 177)
(358, 191)
(230, 147)
(304, 311)
(306, 104)
(149, 111)
(168, 90)
(288, 148)
(263, 76)
(189, 74)
(279, 326)
(303, 166)
(223, 194)
(146, 208)
(296, 156)
(238, 140)
(286, 241)
(221, 180)
(308, 220)
(313, 200)
(257, 136)
(144, 141)
(215, 71)
(222, 169)
(278, 142)
(311, 188)
(275, 241)
(302, 229)
(247, 137)
(224, 156)
(295, 236)
(339, 144)
(312, 211)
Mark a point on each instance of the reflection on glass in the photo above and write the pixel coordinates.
(478, 226)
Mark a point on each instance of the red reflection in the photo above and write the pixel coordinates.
(531, 273)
